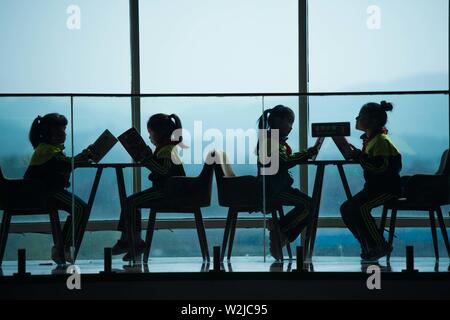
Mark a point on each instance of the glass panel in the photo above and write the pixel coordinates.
(418, 126)
(91, 117)
(16, 116)
(378, 45)
(207, 121)
(57, 46)
(219, 46)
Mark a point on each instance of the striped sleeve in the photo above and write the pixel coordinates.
(159, 165)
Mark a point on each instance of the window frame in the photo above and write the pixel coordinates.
(303, 96)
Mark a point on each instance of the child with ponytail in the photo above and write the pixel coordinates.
(52, 167)
(381, 162)
(163, 164)
(278, 186)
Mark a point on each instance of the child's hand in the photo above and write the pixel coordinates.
(312, 152)
(87, 153)
(355, 153)
(146, 154)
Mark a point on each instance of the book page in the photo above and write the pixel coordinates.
(135, 145)
(102, 145)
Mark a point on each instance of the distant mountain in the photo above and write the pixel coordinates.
(419, 82)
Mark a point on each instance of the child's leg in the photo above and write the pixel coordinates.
(146, 198)
(298, 218)
(62, 200)
(350, 214)
(356, 215)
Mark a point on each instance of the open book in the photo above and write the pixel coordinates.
(102, 145)
(135, 145)
(343, 146)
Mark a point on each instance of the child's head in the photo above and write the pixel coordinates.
(279, 117)
(50, 129)
(372, 116)
(161, 126)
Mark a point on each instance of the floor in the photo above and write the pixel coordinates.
(237, 264)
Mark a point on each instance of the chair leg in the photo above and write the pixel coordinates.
(55, 224)
(392, 230)
(383, 220)
(443, 229)
(200, 238)
(434, 234)
(226, 234)
(276, 229)
(57, 240)
(288, 246)
(149, 234)
(234, 217)
(6, 221)
(67, 226)
(202, 234)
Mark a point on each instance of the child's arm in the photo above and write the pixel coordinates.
(158, 165)
(287, 162)
(375, 164)
(79, 158)
(83, 157)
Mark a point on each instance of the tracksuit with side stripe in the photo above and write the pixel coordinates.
(50, 165)
(163, 164)
(279, 190)
(382, 163)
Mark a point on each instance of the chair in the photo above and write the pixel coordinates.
(423, 193)
(185, 195)
(25, 197)
(241, 194)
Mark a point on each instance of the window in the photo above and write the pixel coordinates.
(221, 46)
(91, 117)
(381, 45)
(207, 121)
(418, 126)
(16, 117)
(44, 51)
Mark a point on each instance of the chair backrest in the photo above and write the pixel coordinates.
(444, 166)
(191, 191)
(206, 177)
(223, 167)
(2, 177)
(232, 190)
